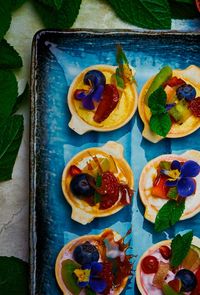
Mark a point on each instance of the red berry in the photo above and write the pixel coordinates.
(174, 81)
(194, 106)
(149, 264)
(74, 170)
(159, 188)
(108, 103)
(109, 190)
(165, 251)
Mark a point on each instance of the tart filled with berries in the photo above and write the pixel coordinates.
(169, 188)
(94, 264)
(103, 97)
(97, 182)
(169, 103)
(171, 267)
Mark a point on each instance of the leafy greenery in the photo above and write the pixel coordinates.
(9, 58)
(15, 4)
(13, 276)
(172, 193)
(151, 14)
(169, 214)
(180, 246)
(21, 98)
(53, 3)
(183, 9)
(5, 17)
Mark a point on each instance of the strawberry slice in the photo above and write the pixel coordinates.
(108, 103)
(159, 188)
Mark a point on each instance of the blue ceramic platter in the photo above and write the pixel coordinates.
(57, 58)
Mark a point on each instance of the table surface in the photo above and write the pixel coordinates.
(14, 194)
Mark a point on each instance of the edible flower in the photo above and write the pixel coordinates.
(181, 177)
(96, 81)
(89, 275)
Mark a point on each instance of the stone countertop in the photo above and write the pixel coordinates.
(14, 194)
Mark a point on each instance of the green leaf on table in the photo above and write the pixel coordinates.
(180, 247)
(11, 131)
(183, 10)
(62, 18)
(15, 4)
(53, 3)
(5, 17)
(160, 124)
(169, 214)
(8, 93)
(150, 14)
(21, 98)
(9, 58)
(13, 276)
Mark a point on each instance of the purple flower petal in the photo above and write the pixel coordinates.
(96, 95)
(88, 103)
(169, 106)
(176, 165)
(190, 169)
(81, 94)
(83, 284)
(171, 183)
(96, 267)
(86, 266)
(97, 285)
(186, 186)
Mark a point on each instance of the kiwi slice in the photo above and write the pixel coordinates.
(69, 279)
(180, 112)
(164, 75)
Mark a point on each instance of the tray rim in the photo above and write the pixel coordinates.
(33, 120)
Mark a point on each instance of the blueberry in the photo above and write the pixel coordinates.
(80, 185)
(186, 91)
(95, 77)
(188, 280)
(86, 253)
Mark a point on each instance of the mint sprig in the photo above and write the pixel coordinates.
(180, 247)
(169, 214)
(160, 121)
(53, 3)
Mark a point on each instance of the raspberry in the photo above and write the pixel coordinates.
(194, 106)
(109, 190)
(174, 81)
(108, 276)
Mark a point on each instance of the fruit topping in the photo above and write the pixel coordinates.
(81, 185)
(74, 170)
(167, 290)
(192, 260)
(165, 251)
(161, 274)
(67, 272)
(164, 75)
(196, 291)
(188, 280)
(186, 92)
(94, 78)
(180, 112)
(175, 285)
(107, 104)
(159, 188)
(174, 81)
(194, 106)
(107, 275)
(86, 253)
(149, 264)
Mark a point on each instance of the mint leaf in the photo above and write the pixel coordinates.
(15, 4)
(150, 14)
(172, 193)
(5, 17)
(21, 98)
(157, 101)
(13, 276)
(160, 124)
(8, 92)
(53, 3)
(97, 198)
(62, 18)
(9, 58)
(180, 247)
(169, 214)
(11, 131)
(183, 10)
(98, 180)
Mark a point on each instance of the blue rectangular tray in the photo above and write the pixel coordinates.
(57, 58)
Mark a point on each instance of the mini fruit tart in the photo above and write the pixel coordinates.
(103, 97)
(169, 103)
(94, 264)
(170, 267)
(169, 188)
(97, 182)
